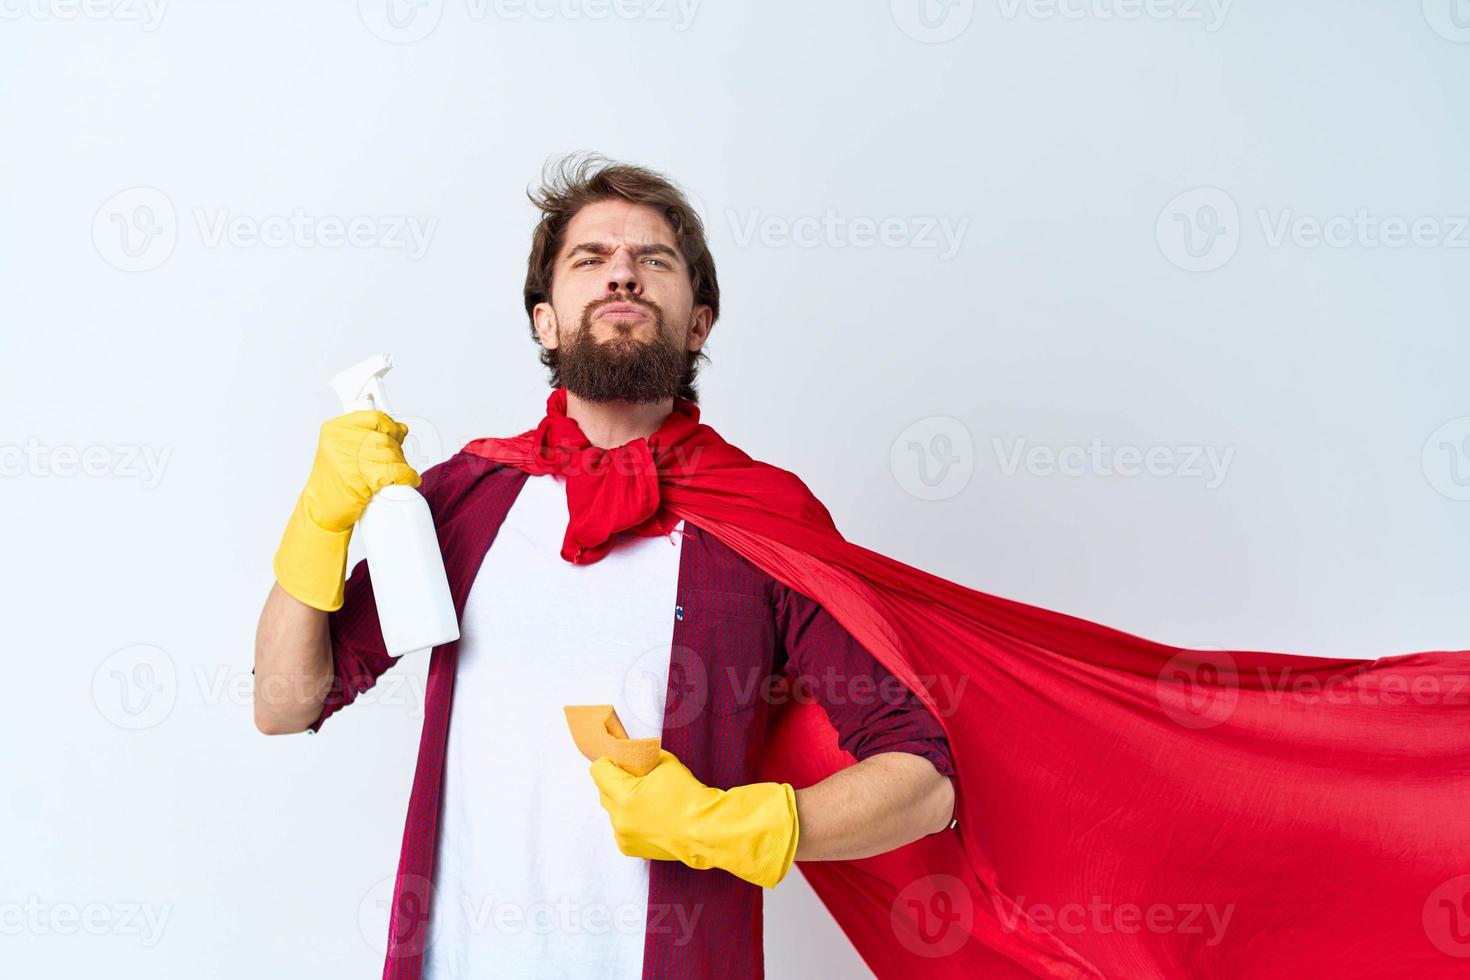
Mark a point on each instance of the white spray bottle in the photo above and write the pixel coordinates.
(410, 587)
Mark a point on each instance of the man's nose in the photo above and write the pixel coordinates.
(623, 274)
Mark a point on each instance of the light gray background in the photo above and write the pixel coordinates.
(1069, 150)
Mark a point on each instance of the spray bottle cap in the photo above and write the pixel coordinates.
(361, 386)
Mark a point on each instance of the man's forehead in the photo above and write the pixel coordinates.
(618, 223)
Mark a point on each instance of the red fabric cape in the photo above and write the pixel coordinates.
(1125, 808)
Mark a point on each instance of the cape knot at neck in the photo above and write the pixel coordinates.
(611, 490)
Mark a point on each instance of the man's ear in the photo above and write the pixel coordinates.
(702, 322)
(545, 319)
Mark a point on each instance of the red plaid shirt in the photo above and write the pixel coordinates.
(736, 630)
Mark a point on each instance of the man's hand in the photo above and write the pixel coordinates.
(668, 815)
(357, 454)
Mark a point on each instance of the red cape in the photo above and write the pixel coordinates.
(1125, 808)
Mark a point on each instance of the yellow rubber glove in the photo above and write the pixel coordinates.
(356, 455)
(751, 831)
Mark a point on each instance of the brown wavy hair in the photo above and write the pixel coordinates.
(570, 183)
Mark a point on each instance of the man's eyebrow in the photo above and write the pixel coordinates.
(602, 248)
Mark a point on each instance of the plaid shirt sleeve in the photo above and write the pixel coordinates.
(872, 710)
(359, 656)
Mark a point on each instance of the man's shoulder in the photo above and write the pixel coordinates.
(465, 476)
(712, 566)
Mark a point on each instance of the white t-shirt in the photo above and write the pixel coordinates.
(528, 880)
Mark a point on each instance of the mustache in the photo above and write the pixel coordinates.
(649, 305)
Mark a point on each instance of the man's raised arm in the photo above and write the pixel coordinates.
(293, 664)
(357, 454)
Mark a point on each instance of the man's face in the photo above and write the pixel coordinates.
(622, 316)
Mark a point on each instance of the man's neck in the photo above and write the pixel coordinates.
(608, 425)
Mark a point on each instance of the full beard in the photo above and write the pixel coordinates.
(622, 368)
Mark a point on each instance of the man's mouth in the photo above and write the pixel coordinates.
(623, 311)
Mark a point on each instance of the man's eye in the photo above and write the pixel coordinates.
(585, 261)
(659, 261)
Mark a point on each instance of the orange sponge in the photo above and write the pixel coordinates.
(597, 731)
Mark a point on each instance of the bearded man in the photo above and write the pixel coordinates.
(973, 786)
(657, 616)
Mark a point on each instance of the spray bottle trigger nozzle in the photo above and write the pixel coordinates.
(361, 386)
